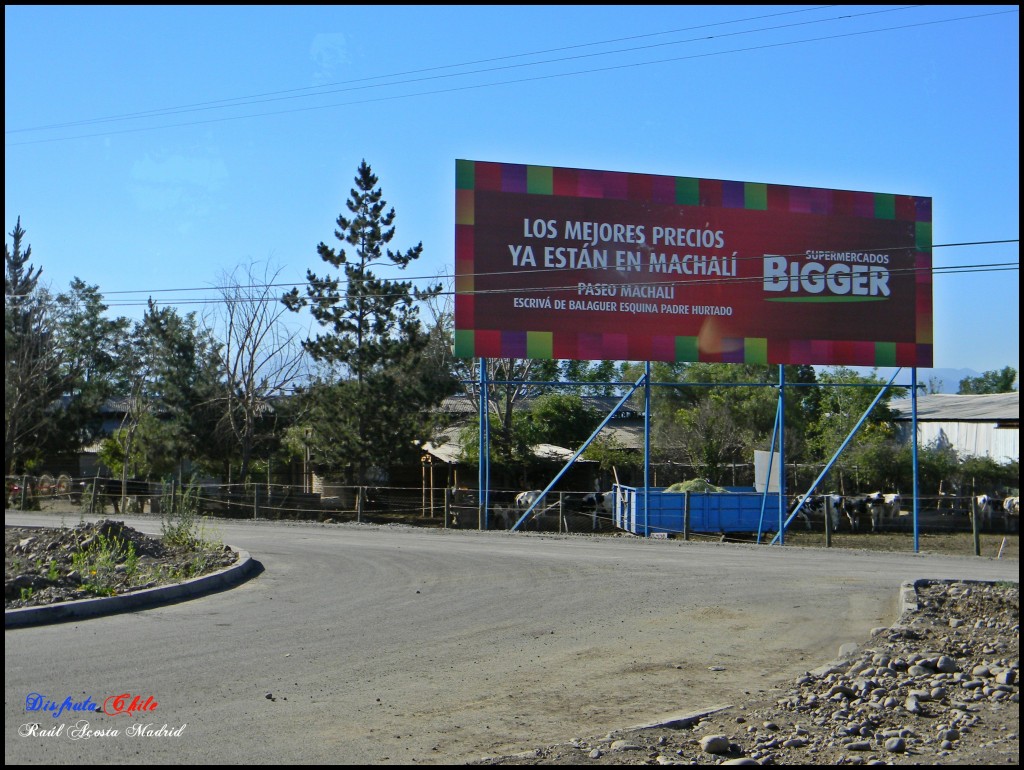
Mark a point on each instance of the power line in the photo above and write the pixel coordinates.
(511, 82)
(444, 277)
(262, 96)
(702, 282)
(447, 277)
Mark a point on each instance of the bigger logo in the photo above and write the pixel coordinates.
(827, 277)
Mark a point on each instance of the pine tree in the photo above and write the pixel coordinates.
(378, 385)
(31, 361)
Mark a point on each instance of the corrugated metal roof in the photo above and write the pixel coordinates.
(449, 449)
(457, 404)
(943, 407)
(446, 453)
(628, 435)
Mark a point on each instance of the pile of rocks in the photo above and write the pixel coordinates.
(916, 689)
(940, 687)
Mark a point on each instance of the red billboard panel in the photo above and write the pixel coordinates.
(589, 265)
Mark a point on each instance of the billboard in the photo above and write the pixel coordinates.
(590, 265)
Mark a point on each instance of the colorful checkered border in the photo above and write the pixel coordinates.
(471, 176)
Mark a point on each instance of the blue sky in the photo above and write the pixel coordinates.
(150, 150)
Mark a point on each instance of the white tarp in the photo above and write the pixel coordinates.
(761, 471)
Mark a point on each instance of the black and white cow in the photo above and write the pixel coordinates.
(1011, 509)
(986, 507)
(818, 505)
(504, 516)
(949, 497)
(858, 511)
(883, 507)
(836, 504)
(804, 510)
(599, 505)
(525, 500)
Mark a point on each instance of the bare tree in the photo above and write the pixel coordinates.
(708, 436)
(260, 358)
(510, 376)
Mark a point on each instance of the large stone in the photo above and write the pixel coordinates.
(715, 744)
(896, 745)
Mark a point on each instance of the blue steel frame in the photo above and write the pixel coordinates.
(645, 380)
(582, 449)
(828, 467)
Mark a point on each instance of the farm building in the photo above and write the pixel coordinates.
(974, 425)
(626, 429)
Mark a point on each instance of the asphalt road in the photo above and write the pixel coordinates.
(387, 645)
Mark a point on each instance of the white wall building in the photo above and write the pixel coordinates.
(975, 426)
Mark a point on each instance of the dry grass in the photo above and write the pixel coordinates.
(954, 543)
(959, 543)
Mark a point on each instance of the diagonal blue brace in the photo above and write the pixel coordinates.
(580, 451)
(835, 457)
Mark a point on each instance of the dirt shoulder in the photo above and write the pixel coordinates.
(939, 687)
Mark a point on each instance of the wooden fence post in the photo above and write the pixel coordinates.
(828, 521)
(974, 526)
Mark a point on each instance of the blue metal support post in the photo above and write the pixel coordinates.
(579, 451)
(647, 444)
(484, 465)
(835, 457)
(768, 474)
(913, 450)
(782, 452)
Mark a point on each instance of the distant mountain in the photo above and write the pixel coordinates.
(944, 380)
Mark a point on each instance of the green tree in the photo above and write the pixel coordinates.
(563, 419)
(185, 379)
(994, 381)
(710, 437)
(719, 414)
(983, 475)
(592, 372)
(90, 343)
(169, 387)
(376, 386)
(870, 459)
(612, 456)
(32, 360)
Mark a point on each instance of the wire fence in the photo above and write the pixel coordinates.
(563, 511)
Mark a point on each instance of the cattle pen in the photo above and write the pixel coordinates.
(644, 382)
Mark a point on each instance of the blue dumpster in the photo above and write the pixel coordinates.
(710, 512)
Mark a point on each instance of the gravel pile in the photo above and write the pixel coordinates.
(939, 687)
